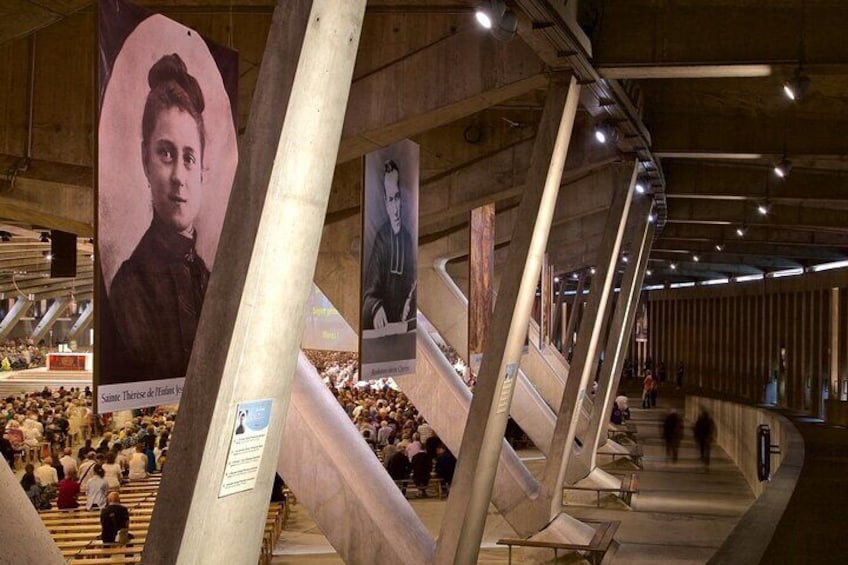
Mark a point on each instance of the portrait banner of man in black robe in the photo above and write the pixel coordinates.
(389, 262)
(167, 156)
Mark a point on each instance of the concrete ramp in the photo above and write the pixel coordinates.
(341, 482)
(441, 396)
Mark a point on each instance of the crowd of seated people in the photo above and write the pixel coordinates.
(18, 354)
(53, 432)
(41, 424)
(387, 421)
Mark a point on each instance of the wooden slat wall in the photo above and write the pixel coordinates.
(729, 337)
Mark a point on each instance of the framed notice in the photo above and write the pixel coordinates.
(247, 443)
(389, 262)
(166, 162)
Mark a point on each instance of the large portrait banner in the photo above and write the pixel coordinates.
(167, 156)
(389, 262)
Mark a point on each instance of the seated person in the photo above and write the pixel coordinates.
(113, 518)
(69, 490)
(96, 489)
(138, 463)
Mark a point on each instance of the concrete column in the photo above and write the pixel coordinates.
(13, 316)
(49, 319)
(269, 247)
(583, 364)
(576, 309)
(23, 538)
(834, 344)
(83, 321)
(483, 436)
(621, 332)
(345, 489)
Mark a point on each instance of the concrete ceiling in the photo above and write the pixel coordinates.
(695, 87)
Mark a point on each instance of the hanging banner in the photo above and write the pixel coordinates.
(389, 261)
(166, 161)
(481, 276)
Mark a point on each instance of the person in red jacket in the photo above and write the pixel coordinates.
(69, 490)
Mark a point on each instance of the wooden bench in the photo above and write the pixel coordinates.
(626, 430)
(634, 454)
(596, 548)
(404, 484)
(629, 487)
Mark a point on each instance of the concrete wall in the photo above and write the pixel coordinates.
(736, 433)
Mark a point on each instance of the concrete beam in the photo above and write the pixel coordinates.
(400, 100)
(744, 248)
(727, 212)
(13, 316)
(708, 131)
(48, 194)
(56, 309)
(758, 233)
(740, 181)
(23, 538)
(641, 33)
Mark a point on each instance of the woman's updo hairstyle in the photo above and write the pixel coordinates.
(171, 86)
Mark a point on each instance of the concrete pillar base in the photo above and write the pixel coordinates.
(562, 529)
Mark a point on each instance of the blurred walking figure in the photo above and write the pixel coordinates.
(649, 387)
(704, 432)
(672, 434)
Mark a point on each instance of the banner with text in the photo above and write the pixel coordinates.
(389, 262)
(166, 161)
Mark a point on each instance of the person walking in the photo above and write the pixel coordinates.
(704, 432)
(672, 434)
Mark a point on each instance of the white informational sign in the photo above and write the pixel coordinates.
(246, 447)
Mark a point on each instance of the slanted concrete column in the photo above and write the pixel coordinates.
(13, 316)
(49, 319)
(576, 309)
(489, 411)
(583, 364)
(835, 391)
(345, 489)
(641, 231)
(83, 321)
(266, 262)
(23, 538)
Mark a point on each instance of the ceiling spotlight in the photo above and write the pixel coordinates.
(497, 18)
(764, 208)
(640, 188)
(48, 256)
(782, 169)
(651, 218)
(696, 258)
(796, 87)
(673, 266)
(719, 247)
(45, 237)
(556, 279)
(740, 231)
(592, 271)
(605, 133)
(649, 272)
(483, 18)
(575, 276)
(624, 258)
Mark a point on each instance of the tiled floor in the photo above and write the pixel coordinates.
(682, 514)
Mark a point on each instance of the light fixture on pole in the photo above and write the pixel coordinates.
(498, 19)
(783, 167)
